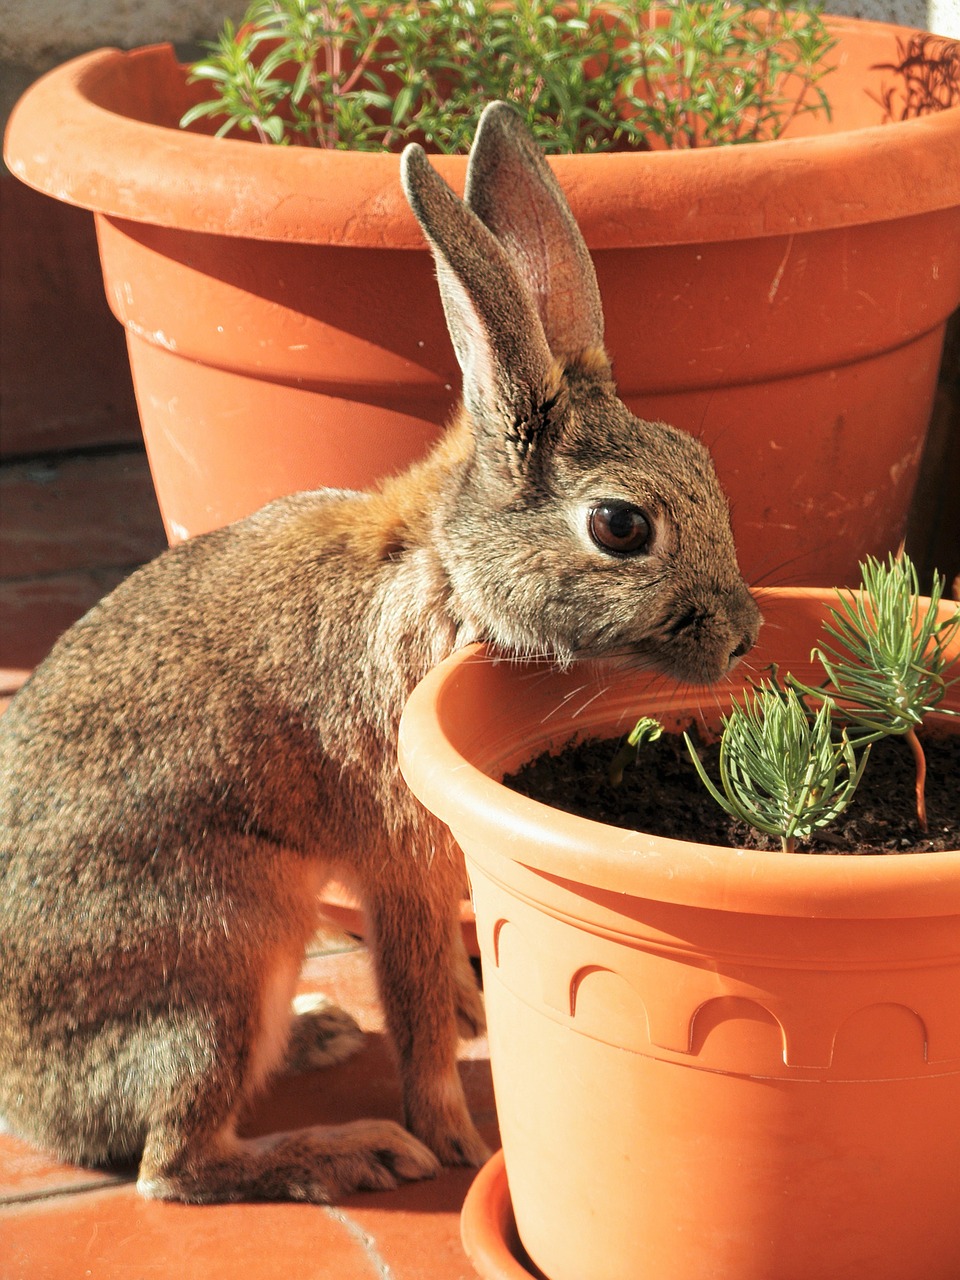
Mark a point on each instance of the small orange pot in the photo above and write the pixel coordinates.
(784, 300)
(709, 1063)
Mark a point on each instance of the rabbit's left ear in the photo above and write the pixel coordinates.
(514, 192)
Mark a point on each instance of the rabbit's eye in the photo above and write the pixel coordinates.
(620, 527)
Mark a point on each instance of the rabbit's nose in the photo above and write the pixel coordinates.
(748, 625)
(743, 648)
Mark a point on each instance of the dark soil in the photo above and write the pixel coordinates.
(662, 794)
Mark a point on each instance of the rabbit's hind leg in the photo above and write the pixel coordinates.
(319, 1164)
(192, 1151)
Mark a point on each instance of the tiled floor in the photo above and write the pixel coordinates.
(62, 1223)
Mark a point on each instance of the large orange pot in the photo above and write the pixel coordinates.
(784, 300)
(709, 1064)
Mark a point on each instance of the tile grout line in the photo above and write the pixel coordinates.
(364, 1239)
(52, 1193)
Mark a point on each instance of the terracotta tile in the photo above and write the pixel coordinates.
(417, 1230)
(330, 939)
(107, 1235)
(348, 979)
(417, 1227)
(367, 1084)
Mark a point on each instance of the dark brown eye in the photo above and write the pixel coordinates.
(620, 527)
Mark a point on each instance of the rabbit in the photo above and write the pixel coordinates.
(216, 737)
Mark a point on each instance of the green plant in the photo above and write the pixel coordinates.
(585, 76)
(645, 730)
(782, 770)
(886, 662)
(718, 73)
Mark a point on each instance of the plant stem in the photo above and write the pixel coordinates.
(920, 760)
(364, 59)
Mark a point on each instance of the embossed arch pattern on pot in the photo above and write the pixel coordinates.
(617, 990)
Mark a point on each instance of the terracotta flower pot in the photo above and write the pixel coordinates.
(709, 1064)
(784, 300)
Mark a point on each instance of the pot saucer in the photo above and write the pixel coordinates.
(488, 1229)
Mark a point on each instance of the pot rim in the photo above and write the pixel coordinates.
(60, 140)
(450, 764)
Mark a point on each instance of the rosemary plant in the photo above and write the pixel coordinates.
(716, 72)
(886, 660)
(585, 76)
(781, 768)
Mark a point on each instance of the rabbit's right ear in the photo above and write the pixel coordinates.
(509, 374)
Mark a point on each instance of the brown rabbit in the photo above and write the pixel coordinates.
(216, 738)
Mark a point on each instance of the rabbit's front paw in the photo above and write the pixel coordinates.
(447, 1129)
(321, 1034)
(460, 1145)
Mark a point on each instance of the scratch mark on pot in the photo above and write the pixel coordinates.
(907, 463)
(123, 293)
(174, 444)
(774, 287)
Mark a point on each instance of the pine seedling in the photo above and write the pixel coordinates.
(781, 767)
(887, 659)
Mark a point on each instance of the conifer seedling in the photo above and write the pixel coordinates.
(782, 769)
(886, 659)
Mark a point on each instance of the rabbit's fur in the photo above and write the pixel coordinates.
(216, 738)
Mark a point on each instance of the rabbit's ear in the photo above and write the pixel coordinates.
(509, 374)
(514, 191)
